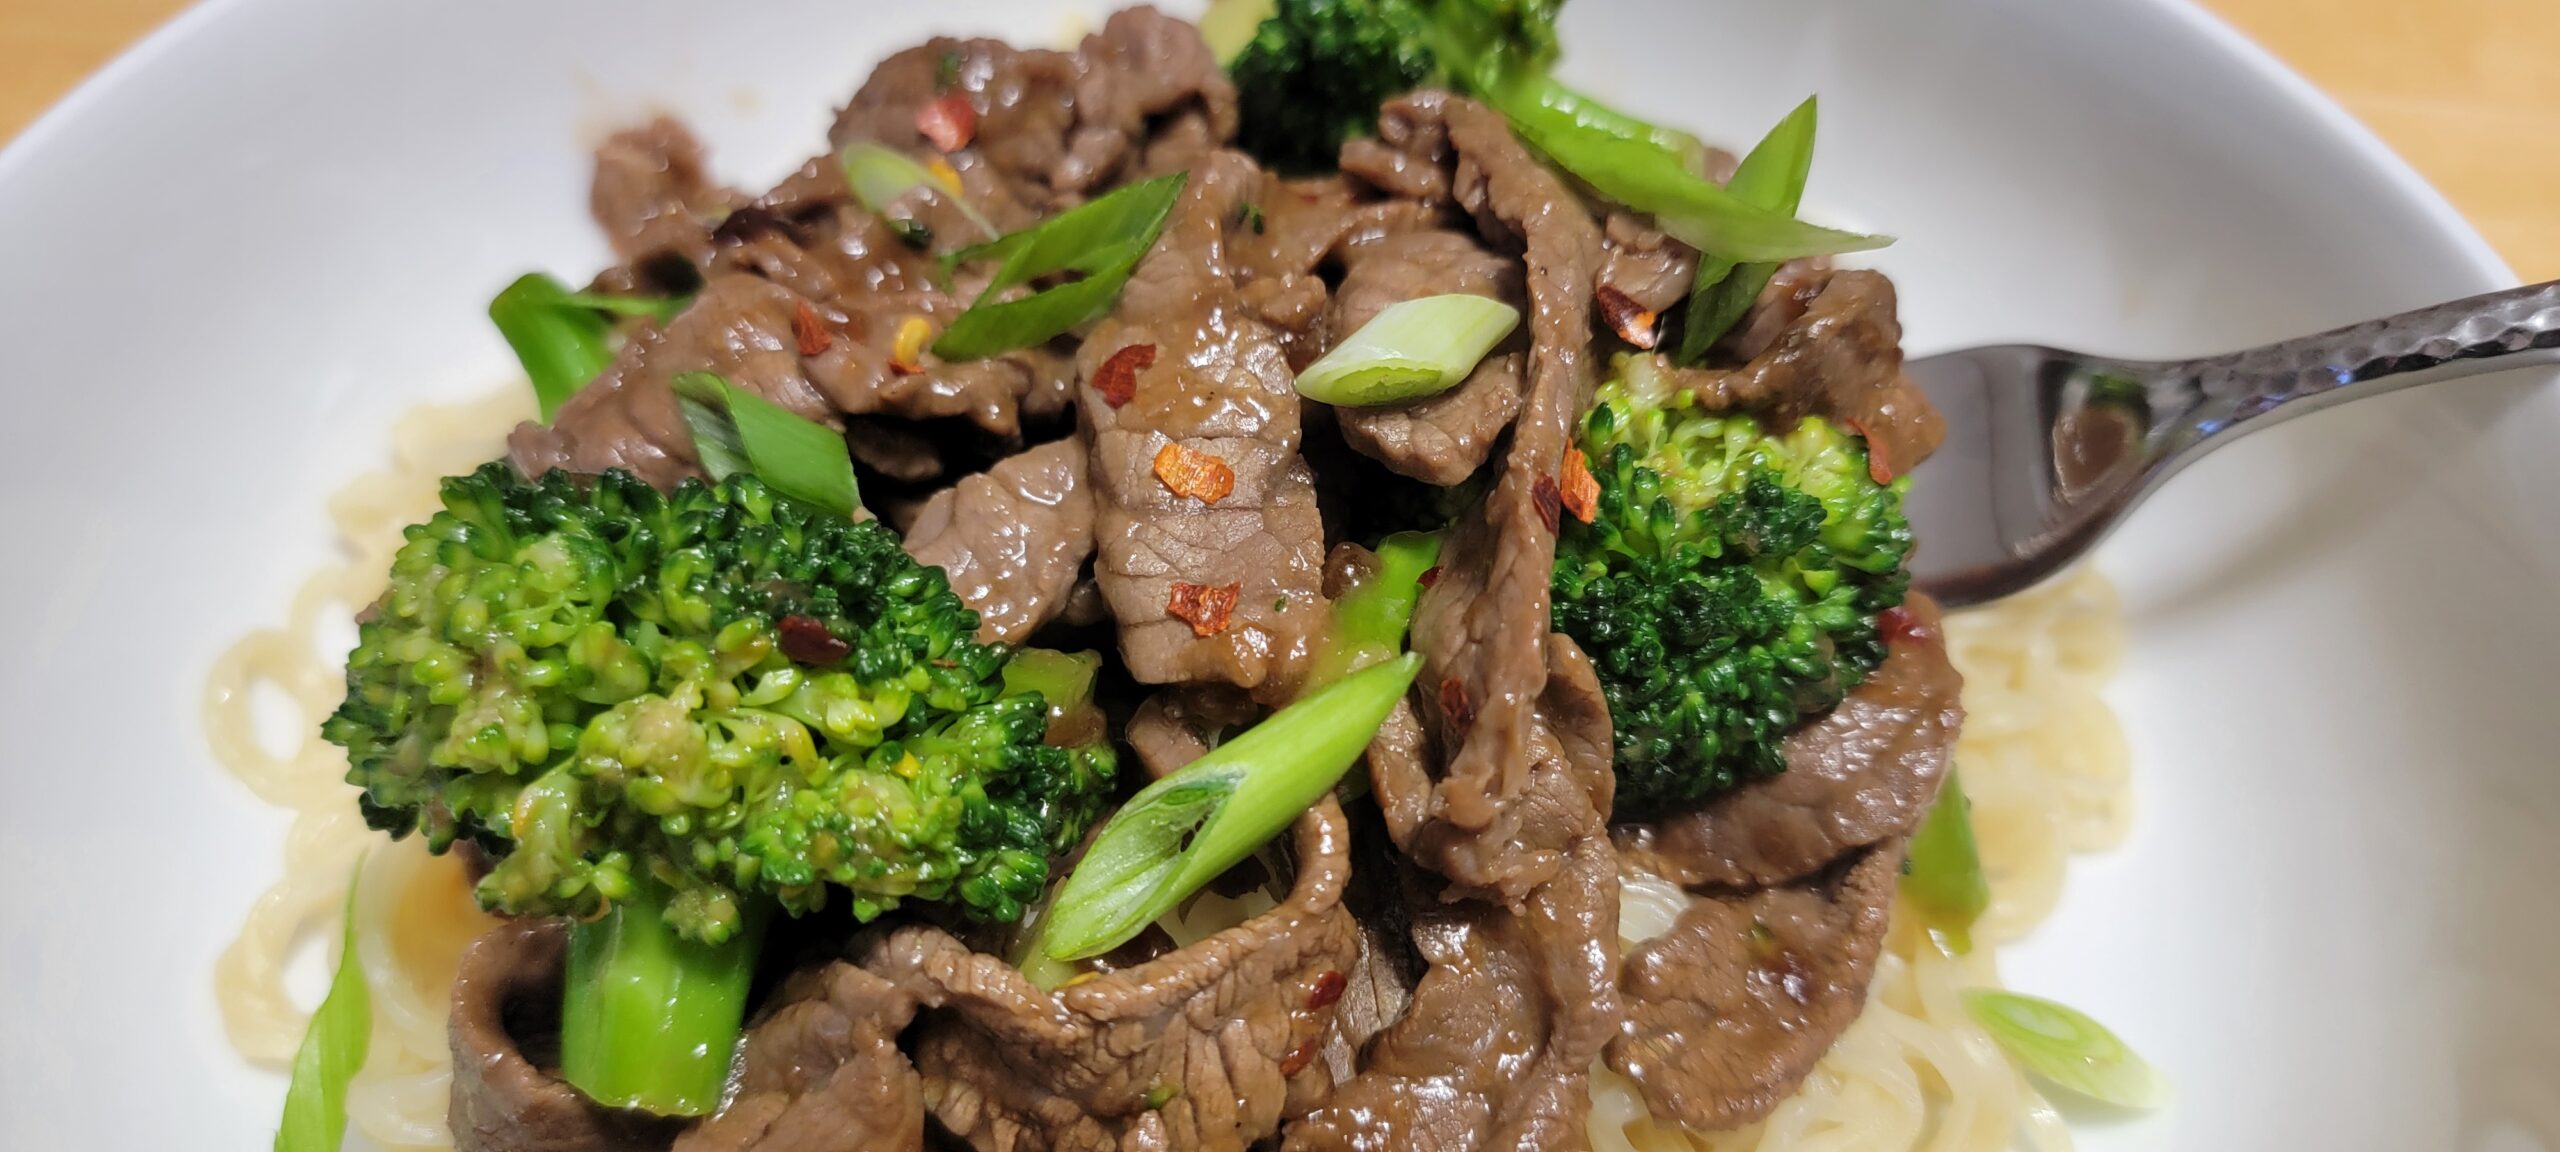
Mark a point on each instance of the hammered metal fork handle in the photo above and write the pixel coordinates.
(2196, 400)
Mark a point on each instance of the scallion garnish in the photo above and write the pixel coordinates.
(2063, 1045)
(1410, 350)
(735, 431)
(561, 345)
(1771, 177)
(1944, 879)
(563, 338)
(332, 1052)
(1102, 240)
(879, 175)
(1181, 832)
(1647, 177)
(658, 308)
(1370, 619)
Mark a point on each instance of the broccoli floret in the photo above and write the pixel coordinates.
(718, 693)
(1728, 585)
(1315, 72)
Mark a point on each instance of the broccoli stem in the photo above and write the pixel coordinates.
(649, 1018)
(1369, 621)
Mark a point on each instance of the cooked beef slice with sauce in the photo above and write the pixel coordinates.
(653, 196)
(1217, 383)
(1208, 1047)
(1054, 128)
(1650, 269)
(1181, 724)
(1011, 539)
(1839, 357)
(821, 1072)
(1729, 1011)
(1439, 439)
(506, 1013)
(1482, 627)
(1863, 773)
(1493, 1046)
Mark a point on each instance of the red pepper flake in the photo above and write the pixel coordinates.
(1879, 469)
(807, 641)
(1581, 494)
(1633, 322)
(1455, 706)
(1549, 501)
(1329, 989)
(1194, 473)
(949, 120)
(1430, 576)
(1298, 1059)
(1205, 608)
(1899, 624)
(1117, 379)
(810, 330)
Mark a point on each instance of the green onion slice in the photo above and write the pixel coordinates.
(735, 431)
(879, 175)
(1370, 619)
(2065, 1046)
(332, 1052)
(1181, 832)
(1409, 351)
(658, 308)
(1102, 239)
(1944, 879)
(564, 338)
(1642, 175)
(560, 344)
(1771, 177)
(1589, 113)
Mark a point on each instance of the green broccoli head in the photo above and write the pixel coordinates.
(1727, 587)
(720, 689)
(1316, 71)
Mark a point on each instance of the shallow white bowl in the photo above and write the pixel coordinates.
(228, 263)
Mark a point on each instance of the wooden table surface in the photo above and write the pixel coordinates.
(2468, 90)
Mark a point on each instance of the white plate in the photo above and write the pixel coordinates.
(230, 262)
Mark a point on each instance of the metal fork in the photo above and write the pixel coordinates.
(2047, 450)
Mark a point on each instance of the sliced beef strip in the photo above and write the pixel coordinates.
(653, 196)
(1864, 773)
(1493, 1048)
(1440, 439)
(894, 449)
(743, 326)
(1207, 1047)
(1840, 358)
(1482, 627)
(1292, 231)
(506, 1003)
(739, 327)
(1219, 384)
(1648, 267)
(821, 1072)
(1782, 301)
(1730, 1011)
(1181, 724)
(1142, 67)
(1012, 539)
(1053, 127)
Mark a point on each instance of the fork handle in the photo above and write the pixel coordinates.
(2194, 401)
